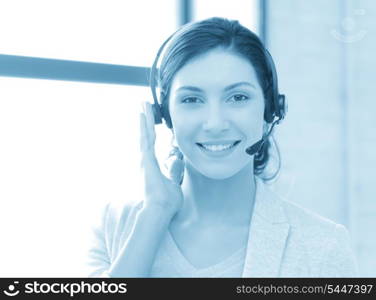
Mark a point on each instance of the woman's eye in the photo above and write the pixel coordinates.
(190, 100)
(239, 98)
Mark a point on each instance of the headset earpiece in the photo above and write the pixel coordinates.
(157, 107)
(276, 106)
(282, 107)
(164, 110)
(160, 112)
(157, 113)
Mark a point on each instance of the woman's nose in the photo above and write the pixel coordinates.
(216, 120)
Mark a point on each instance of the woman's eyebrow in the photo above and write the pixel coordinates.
(234, 85)
(227, 88)
(189, 88)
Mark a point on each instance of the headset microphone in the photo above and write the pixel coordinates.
(256, 147)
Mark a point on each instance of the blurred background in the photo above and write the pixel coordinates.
(73, 73)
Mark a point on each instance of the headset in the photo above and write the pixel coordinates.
(275, 104)
(159, 112)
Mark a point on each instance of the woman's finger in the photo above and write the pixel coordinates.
(150, 122)
(149, 164)
(143, 137)
(146, 130)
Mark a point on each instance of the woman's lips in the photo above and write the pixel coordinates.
(218, 149)
(222, 142)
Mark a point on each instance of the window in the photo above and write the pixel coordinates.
(111, 31)
(246, 11)
(67, 147)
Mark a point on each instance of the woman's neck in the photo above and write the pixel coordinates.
(212, 202)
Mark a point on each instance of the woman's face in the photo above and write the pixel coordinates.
(216, 107)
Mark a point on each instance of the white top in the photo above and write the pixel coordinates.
(170, 262)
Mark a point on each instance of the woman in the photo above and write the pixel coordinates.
(214, 216)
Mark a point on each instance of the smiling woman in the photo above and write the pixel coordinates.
(214, 216)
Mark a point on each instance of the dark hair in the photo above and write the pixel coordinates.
(200, 37)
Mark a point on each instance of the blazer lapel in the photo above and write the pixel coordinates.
(267, 235)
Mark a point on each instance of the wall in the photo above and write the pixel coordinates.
(324, 53)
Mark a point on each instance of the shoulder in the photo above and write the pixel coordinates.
(278, 210)
(112, 216)
(314, 244)
(327, 243)
(119, 213)
(116, 219)
(302, 218)
(314, 229)
(108, 229)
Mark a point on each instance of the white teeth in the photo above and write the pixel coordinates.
(217, 147)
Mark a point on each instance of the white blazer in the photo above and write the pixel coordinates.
(284, 240)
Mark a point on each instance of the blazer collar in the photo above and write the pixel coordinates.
(267, 235)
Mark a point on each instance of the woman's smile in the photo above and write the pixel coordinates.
(218, 149)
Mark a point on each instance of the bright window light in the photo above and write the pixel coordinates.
(245, 11)
(66, 149)
(111, 31)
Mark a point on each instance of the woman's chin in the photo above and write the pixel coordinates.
(218, 173)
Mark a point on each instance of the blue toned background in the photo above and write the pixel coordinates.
(72, 74)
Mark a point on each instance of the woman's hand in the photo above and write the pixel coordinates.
(160, 191)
